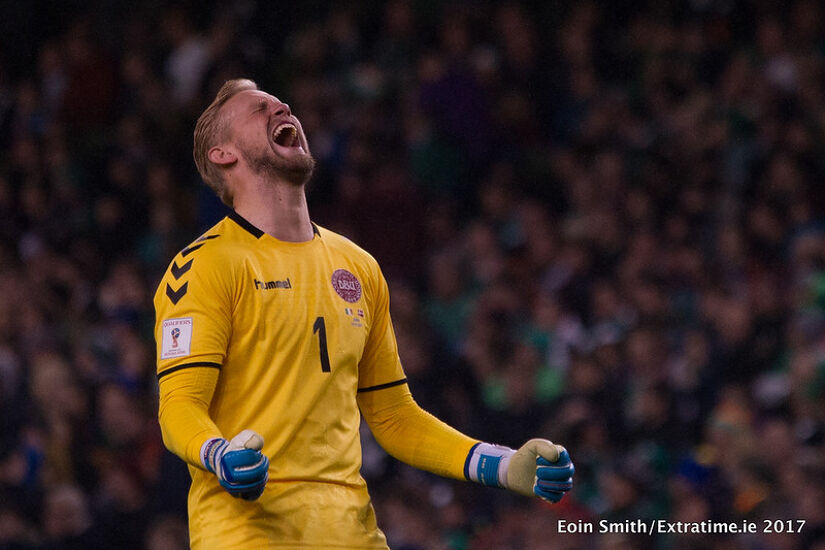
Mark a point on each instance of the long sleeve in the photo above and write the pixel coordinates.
(184, 411)
(400, 426)
(193, 307)
(412, 435)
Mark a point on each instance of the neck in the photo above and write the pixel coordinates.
(275, 207)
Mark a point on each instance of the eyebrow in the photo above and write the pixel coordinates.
(261, 103)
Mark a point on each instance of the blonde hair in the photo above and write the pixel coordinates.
(210, 130)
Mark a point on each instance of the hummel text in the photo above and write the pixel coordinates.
(267, 285)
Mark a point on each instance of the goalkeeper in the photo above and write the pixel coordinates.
(274, 338)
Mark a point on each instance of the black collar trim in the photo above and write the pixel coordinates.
(257, 233)
(240, 220)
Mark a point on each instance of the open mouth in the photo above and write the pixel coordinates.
(286, 135)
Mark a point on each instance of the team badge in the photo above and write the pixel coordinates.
(346, 285)
(176, 338)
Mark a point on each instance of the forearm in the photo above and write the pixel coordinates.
(414, 436)
(183, 412)
(410, 434)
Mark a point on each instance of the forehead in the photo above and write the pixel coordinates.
(245, 100)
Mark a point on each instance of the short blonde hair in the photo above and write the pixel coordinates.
(210, 130)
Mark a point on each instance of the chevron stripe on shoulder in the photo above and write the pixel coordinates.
(199, 242)
(176, 295)
(180, 268)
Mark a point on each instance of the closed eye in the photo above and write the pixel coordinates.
(260, 107)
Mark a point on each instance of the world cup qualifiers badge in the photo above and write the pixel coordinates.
(346, 285)
(176, 337)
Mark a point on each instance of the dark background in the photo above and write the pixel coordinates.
(602, 223)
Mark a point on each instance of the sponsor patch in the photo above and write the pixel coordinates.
(176, 338)
(346, 285)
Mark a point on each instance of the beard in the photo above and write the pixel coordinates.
(296, 170)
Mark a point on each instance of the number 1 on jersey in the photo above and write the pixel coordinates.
(321, 329)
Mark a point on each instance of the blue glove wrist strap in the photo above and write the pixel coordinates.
(487, 470)
(208, 451)
(485, 463)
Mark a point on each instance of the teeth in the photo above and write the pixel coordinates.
(290, 127)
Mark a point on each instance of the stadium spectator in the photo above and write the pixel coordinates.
(608, 208)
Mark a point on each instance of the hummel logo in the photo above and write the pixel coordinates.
(178, 271)
(176, 295)
(189, 249)
(267, 285)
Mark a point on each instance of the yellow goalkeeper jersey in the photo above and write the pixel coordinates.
(283, 336)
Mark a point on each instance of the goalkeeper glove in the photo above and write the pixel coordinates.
(539, 468)
(239, 464)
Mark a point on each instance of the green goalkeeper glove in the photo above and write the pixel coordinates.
(539, 468)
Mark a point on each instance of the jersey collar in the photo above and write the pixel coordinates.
(254, 231)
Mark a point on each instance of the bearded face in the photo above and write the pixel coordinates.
(269, 137)
(285, 155)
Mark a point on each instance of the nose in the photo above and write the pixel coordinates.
(282, 109)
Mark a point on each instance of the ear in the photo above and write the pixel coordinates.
(221, 157)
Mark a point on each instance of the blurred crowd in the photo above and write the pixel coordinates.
(601, 223)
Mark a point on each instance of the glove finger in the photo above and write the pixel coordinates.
(555, 472)
(251, 493)
(250, 476)
(562, 486)
(542, 447)
(550, 496)
(246, 489)
(254, 493)
(252, 496)
(247, 439)
(237, 489)
(247, 473)
(242, 458)
(563, 460)
(253, 467)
